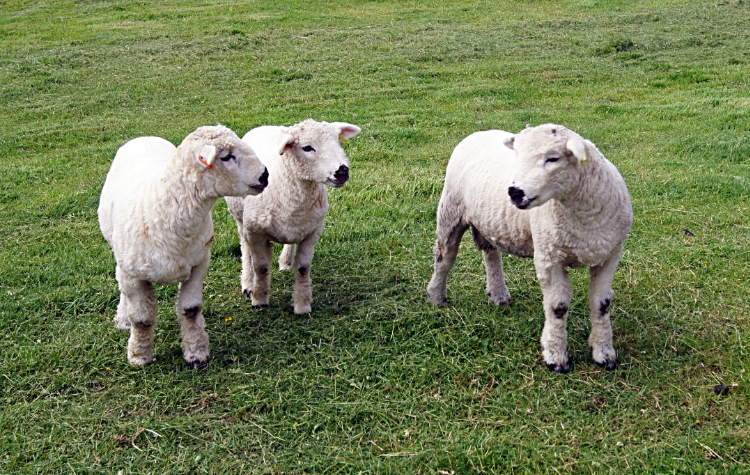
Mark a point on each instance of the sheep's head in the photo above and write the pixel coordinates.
(237, 172)
(549, 160)
(316, 152)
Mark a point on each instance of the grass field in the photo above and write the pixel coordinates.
(377, 381)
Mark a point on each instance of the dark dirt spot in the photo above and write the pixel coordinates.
(560, 310)
(721, 389)
(604, 306)
(192, 312)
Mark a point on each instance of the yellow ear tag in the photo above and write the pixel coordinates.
(341, 137)
(583, 162)
(203, 161)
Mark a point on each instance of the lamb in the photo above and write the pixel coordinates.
(155, 213)
(558, 200)
(302, 160)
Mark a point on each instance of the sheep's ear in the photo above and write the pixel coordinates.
(577, 146)
(509, 140)
(205, 154)
(346, 131)
(287, 141)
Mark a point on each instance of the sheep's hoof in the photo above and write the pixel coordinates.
(559, 368)
(500, 299)
(196, 363)
(608, 364)
(140, 362)
(248, 293)
(437, 301)
(263, 305)
(605, 357)
(306, 310)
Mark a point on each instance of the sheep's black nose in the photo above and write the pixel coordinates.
(342, 173)
(263, 180)
(516, 194)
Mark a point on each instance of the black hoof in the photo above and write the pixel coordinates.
(559, 368)
(248, 293)
(609, 365)
(265, 305)
(196, 363)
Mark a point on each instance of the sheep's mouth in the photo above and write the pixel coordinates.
(524, 204)
(337, 183)
(257, 189)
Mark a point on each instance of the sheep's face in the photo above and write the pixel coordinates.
(317, 153)
(548, 164)
(227, 165)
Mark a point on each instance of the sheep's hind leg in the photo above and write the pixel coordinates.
(557, 293)
(497, 291)
(286, 259)
(121, 317)
(140, 306)
(247, 276)
(600, 297)
(302, 295)
(261, 266)
(496, 288)
(446, 251)
(190, 315)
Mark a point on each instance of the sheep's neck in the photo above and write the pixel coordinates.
(596, 182)
(181, 203)
(298, 194)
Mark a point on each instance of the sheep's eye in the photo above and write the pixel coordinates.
(308, 148)
(552, 159)
(227, 158)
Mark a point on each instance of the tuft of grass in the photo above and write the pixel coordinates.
(376, 380)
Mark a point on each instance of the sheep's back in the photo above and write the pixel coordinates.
(135, 165)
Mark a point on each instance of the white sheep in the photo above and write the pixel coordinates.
(302, 160)
(577, 213)
(155, 212)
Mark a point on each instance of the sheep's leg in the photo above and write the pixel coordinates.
(140, 308)
(493, 262)
(557, 293)
(446, 251)
(121, 317)
(190, 315)
(302, 295)
(286, 259)
(496, 288)
(600, 297)
(261, 250)
(246, 278)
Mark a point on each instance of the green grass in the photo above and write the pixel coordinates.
(376, 380)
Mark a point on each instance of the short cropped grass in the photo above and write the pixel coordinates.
(377, 381)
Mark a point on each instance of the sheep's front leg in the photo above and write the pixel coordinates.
(247, 276)
(261, 249)
(446, 251)
(190, 315)
(496, 288)
(286, 259)
(302, 295)
(139, 306)
(557, 291)
(600, 297)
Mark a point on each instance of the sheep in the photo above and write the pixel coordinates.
(556, 199)
(155, 213)
(302, 160)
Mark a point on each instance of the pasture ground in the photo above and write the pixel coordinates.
(377, 381)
